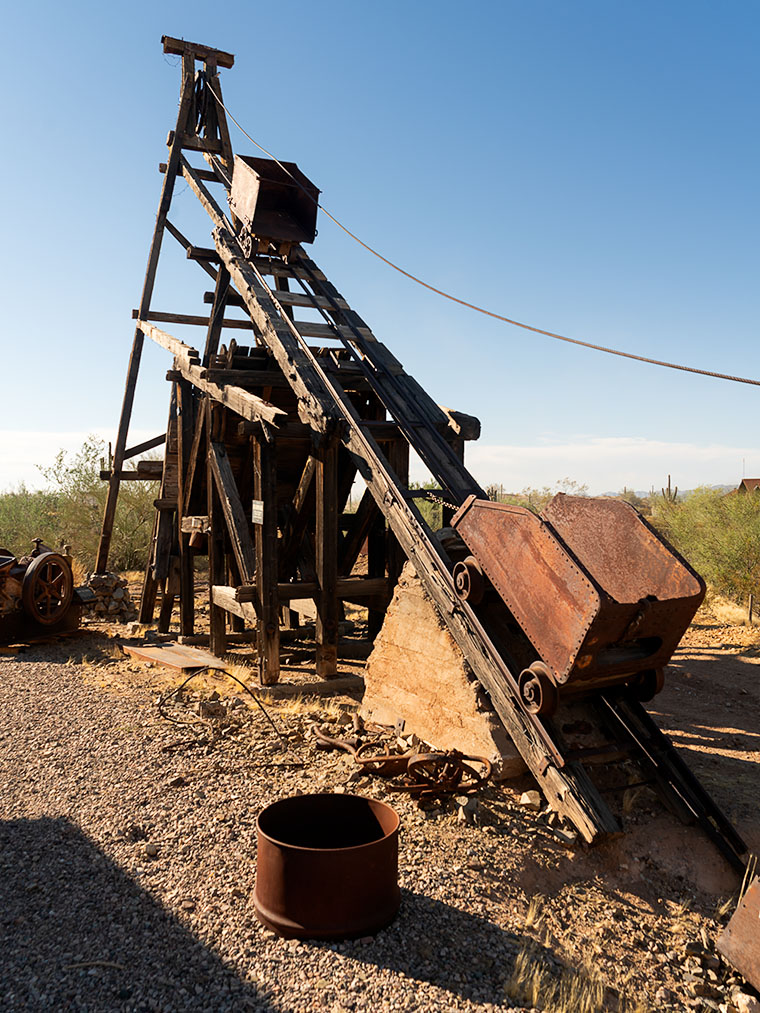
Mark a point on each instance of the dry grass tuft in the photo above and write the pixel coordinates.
(723, 908)
(533, 984)
(534, 919)
(728, 612)
(78, 571)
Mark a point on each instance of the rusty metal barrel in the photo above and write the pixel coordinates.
(327, 866)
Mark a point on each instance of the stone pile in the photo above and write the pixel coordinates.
(112, 601)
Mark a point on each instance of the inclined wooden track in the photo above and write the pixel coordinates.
(279, 418)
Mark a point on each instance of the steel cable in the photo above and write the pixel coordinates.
(474, 306)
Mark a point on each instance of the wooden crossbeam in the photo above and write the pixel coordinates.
(181, 47)
(186, 360)
(224, 597)
(145, 446)
(234, 514)
(191, 320)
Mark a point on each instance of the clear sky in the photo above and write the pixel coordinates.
(587, 167)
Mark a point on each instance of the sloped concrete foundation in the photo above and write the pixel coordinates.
(417, 675)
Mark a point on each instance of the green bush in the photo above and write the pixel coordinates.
(718, 534)
(26, 514)
(536, 499)
(70, 511)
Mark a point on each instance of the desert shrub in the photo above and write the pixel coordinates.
(431, 511)
(26, 514)
(718, 534)
(70, 511)
(536, 499)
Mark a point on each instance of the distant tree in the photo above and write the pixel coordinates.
(70, 511)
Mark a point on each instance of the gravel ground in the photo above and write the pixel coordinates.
(128, 852)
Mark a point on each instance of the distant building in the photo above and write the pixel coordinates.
(749, 485)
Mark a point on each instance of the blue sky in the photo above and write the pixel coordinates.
(590, 168)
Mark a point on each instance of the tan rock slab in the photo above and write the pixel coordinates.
(417, 674)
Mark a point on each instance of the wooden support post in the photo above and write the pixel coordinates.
(185, 428)
(157, 568)
(170, 593)
(376, 568)
(265, 540)
(216, 317)
(150, 587)
(238, 525)
(175, 153)
(295, 527)
(216, 561)
(358, 533)
(398, 458)
(327, 560)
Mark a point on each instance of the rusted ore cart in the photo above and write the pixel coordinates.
(287, 396)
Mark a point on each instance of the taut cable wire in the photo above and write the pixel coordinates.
(474, 306)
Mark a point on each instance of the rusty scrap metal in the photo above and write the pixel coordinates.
(425, 776)
(740, 941)
(37, 593)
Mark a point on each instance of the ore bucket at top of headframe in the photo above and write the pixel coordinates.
(600, 596)
(327, 866)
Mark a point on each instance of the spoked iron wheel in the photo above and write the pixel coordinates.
(47, 589)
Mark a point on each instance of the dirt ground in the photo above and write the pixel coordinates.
(639, 914)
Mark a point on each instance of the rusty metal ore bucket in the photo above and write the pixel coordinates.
(327, 867)
(598, 593)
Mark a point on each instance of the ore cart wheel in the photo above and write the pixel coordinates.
(469, 581)
(538, 690)
(647, 685)
(47, 589)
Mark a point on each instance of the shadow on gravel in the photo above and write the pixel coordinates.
(63, 902)
(449, 948)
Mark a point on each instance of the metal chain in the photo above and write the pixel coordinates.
(438, 499)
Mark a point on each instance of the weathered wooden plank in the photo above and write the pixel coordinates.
(265, 538)
(184, 353)
(249, 378)
(191, 142)
(326, 478)
(224, 597)
(216, 560)
(216, 319)
(205, 174)
(191, 320)
(186, 411)
(129, 476)
(181, 47)
(221, 117)
(310, 329)
(346, 587)
(145, 446)
(234, 514)
(176, 656)
(192, 465)
(357, 533)
(303, 299)
(315, 405)
(249, 406)
(297, 520)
